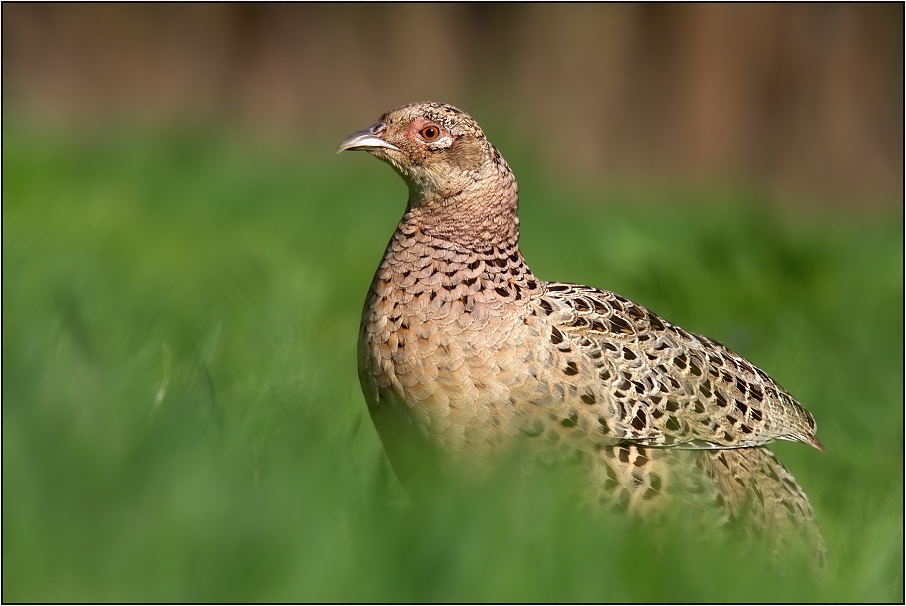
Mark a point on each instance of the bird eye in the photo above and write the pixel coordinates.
(429, 133)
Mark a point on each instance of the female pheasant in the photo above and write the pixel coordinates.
(464, 353)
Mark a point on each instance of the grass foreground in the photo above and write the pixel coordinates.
(182, 419)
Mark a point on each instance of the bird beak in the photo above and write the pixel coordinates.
(368, 139)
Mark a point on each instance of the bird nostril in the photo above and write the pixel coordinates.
(379, 129)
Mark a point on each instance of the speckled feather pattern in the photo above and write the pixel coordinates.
(463, 352)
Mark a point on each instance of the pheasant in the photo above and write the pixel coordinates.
(463, 353)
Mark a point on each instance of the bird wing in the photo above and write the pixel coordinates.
(652, 383)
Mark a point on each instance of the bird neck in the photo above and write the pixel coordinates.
(468, 237)
(480, 214)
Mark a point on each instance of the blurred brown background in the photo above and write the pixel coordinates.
(805, 100)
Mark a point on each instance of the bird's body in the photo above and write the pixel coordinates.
(464, 353)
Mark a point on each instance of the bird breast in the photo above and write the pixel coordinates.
(439, 332)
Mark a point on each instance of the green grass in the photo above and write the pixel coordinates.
(182, 418)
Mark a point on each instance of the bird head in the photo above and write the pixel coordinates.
(439, 150)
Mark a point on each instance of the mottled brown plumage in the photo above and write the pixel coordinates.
(464, 353)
